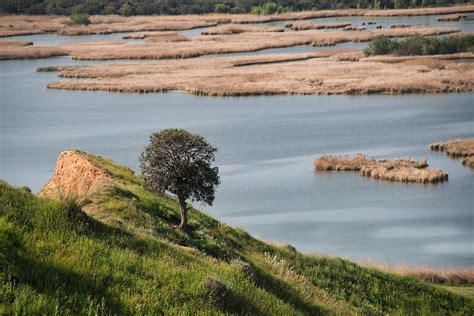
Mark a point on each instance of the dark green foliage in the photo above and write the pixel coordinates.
(10, 245)
(179, 162)
(173, 7)
(269, 8)
(419, 45)
(79, 19)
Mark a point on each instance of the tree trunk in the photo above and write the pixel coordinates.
(184, 213)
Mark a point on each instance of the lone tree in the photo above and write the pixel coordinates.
(179, 162)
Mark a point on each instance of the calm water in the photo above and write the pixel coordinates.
(266, 148)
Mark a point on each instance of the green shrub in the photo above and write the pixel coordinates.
(9, 246)
(419, 45)
(79, 19)
(269, 8)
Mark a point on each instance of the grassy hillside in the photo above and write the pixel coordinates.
(117, 252)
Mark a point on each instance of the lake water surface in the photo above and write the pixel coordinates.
(266, 149)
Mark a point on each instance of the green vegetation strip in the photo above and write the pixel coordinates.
(420, 45)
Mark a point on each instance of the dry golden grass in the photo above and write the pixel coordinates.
(458, 148)
(342, 163)
(443, 275)
(218, 44)
(448, 18)
(22, 24)
(31, 52)
(27, 25)
(15, 43)
(301, 26)
(421, 11)
(469, 162)
(328, 72)
(166, 38)
(401, 169)
(230, 29)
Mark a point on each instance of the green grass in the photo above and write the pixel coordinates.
(55, 259)
(462, 290)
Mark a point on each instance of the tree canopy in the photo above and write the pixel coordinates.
(180, 162)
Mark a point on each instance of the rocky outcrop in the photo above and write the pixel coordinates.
(76, 177)
(401, 169)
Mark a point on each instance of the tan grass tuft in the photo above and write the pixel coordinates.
(401, 169)
(441, 275)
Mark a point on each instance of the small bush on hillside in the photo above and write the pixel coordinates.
(419, 45)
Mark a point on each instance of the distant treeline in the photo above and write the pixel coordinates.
(419, 45)
(175, 7)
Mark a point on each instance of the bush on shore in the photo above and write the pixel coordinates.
(419, 45)
(79, 19)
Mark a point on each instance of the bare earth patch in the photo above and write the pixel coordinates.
(401, 169)
(75, 177)
(458, 148)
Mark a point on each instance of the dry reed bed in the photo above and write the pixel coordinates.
(458, 148)
(401, 169)
(444, 275)
(433, 61)
(450, 18)
(214, 44)
(32, 52)
(22, 24)
(16, 43)
(282, 58)
(331, 72)
(302, 26)
(28, 25)
(238, 28)
(166, 38)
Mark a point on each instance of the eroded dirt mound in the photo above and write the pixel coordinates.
(76, 177)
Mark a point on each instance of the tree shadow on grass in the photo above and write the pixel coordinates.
(235, 304)
(72, 290)
(285, 292)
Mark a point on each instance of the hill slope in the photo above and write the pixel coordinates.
(113, 249)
